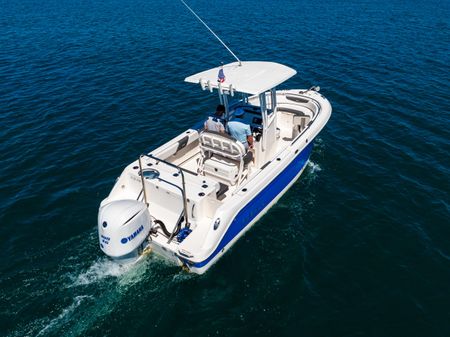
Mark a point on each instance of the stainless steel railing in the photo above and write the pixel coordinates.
(182, 188)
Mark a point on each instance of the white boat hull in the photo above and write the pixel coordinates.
(216, 229)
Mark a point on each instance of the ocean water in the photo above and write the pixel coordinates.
(359, 246)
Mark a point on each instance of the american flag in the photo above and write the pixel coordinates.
(221, 76)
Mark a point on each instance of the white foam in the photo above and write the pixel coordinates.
(183, 276)
(135, 273)
(101, 269)
(313, 167)
(64, 316)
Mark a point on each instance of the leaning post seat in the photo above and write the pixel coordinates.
(222, 156)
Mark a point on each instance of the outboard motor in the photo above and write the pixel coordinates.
(123, 225)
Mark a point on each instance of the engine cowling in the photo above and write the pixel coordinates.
(123, 225)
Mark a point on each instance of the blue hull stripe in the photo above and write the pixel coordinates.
(259, 202)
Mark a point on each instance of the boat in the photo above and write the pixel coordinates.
(192, 198)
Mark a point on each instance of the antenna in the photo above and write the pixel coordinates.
(215, 35)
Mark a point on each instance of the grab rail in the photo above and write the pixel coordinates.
(142, 180)
(182, 189)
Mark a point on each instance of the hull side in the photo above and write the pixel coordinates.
(256, 207)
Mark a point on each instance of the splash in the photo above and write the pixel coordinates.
(65, 315)
(182, 276)
(101, 269)
(114, 280)
(313, 168)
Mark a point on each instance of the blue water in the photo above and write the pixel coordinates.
(358, 247)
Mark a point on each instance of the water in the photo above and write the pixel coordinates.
(358, 247)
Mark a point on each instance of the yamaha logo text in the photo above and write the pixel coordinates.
(132, 236)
